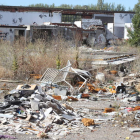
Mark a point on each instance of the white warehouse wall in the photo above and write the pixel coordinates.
(110, 31)
(121, 18)
(28, 18)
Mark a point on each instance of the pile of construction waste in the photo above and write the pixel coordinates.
(29, 110)
(46, 110)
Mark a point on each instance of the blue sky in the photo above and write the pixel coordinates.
(126, 3)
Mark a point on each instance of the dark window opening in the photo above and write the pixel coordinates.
(71, 18)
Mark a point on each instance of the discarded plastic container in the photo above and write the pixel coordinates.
(100, 77)
(79, 96)
(6, 115)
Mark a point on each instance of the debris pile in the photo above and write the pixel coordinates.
(48, 109)
(29, 110)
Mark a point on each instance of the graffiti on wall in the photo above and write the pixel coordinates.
(3, 35)
(1, 16)
(14, 21)
(131, 16)
(41, 16)
(20, 19)
(122, 16)
(27, 18)
(11, 31)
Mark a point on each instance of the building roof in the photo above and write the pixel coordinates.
(62, 10)
(6, 26)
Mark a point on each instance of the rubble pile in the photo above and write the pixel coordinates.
(29, 110)
(54, 111)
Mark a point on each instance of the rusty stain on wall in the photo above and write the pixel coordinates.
(41, 16)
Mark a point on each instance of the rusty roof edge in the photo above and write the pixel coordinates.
(6, 26)
(16, 8)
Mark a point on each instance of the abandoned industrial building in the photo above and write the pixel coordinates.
(69, 74)
(91, 25)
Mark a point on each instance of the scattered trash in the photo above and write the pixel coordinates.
(113, 72)
(88, 122)
(6, 136)
(68, 107)
(100, 77)
(42, 135)
(51, 109)
(134, 129)
(108, 110)
(57, 97)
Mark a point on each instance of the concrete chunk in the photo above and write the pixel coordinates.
(135, 129)
(68, 117)
(58, 91)
(34, 104)
(48, 111)
(6, 115)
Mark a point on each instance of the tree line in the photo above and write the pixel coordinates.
(134, 30)
(101, 5)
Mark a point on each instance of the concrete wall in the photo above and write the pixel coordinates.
(121, 18)
(87, 23)
(97, 38)
(8, 33)
(28, 18)
(119, 32)
(109, 32)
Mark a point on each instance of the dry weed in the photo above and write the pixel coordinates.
(19, 60)
(135, 65)
(4, 73)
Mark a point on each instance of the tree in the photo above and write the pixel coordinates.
(130, 9)
(92, 7)
(66, 6)
(39, 5)
(112, 7)
(120, 8)
(52, 6)
(100, 4)
(77, 7)
(134, 34)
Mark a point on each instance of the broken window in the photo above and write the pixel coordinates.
(71, 18)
